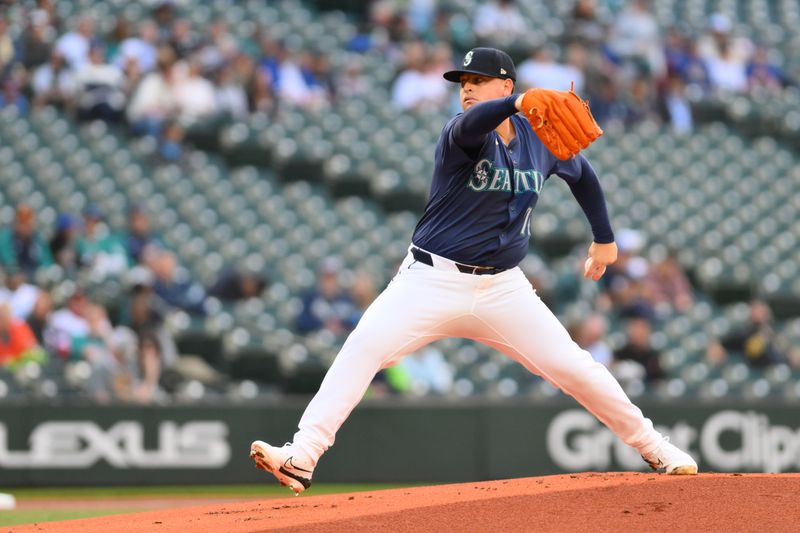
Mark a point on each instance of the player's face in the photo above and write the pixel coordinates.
(476, 88)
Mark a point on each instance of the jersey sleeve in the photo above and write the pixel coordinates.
(585, 187)
(469, 129)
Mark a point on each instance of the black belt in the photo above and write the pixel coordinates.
(425, 258)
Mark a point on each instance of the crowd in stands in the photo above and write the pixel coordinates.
(124, 344)
(161, 75)
(629, 67)
(641, 292)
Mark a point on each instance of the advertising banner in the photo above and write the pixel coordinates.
(381, 442)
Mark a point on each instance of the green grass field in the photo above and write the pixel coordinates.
(93, 494)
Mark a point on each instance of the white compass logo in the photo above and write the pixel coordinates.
(468, 58)
(479, 179)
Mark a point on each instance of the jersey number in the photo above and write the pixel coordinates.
(526, 226)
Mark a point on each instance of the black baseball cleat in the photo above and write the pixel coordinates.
(289, 467)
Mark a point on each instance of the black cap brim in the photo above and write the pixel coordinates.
(455, 75)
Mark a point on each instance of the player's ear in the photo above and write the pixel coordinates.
(508, 88)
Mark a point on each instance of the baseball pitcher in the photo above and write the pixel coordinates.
(461, 279)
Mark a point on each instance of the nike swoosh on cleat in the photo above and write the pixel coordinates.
(290, 464)
(303, 481)
(653, 464)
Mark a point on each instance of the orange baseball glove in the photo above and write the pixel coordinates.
(561, 120)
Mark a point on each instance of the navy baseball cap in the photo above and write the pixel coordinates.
(486, 62)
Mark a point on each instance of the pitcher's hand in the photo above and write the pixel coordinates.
(600, 256)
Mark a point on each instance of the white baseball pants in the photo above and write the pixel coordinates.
(423, 304)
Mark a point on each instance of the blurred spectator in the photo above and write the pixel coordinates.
(421, 15)
(18, 345)
(7, 49)
(97, 347)
(219, 47)
(726, 71)
(165, 15)
(172, 284)
(22, 246)
(154, 101)
(720, 40)
(328, 306)
(144, 316)
(138, 379)
(142, 49)
(74, 46)
(64, 243)
(27, 301)
(607, 106)
(585, 25)
(132, 76)
(362, 39)
(260, 92)
(640, 101)
(66, 324)
(756, 341)
(235, 284)
(114, 39)
(143, 321)
(675, 106)
(53, 83)
(320, 77)
(725, 55)
(353, 83)
(542, 70)
(194, 96)
(98, 250)
(140, 234)
(450, 27)
(694, 70)
(230, 94)
(99, 88)
(170, 146)
(668, 285)
(183, 39)
(11, 94)
(363, 290)
(635, 40)
(273, 53)
(590, 335)
(638, 349)
(389, 24)
(36, 43)
(421, 373)
(297, 83)
(417, 85)
(499, 23)
(623, 283)
(47, 13)
(762, 73)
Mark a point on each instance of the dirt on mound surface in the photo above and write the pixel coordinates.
(580, 502)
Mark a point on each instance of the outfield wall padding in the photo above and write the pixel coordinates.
(383, 441)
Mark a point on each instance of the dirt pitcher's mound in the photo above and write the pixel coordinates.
(583, 502)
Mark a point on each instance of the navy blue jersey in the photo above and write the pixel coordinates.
(483, 192)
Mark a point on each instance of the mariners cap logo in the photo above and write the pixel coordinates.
(468, 58)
